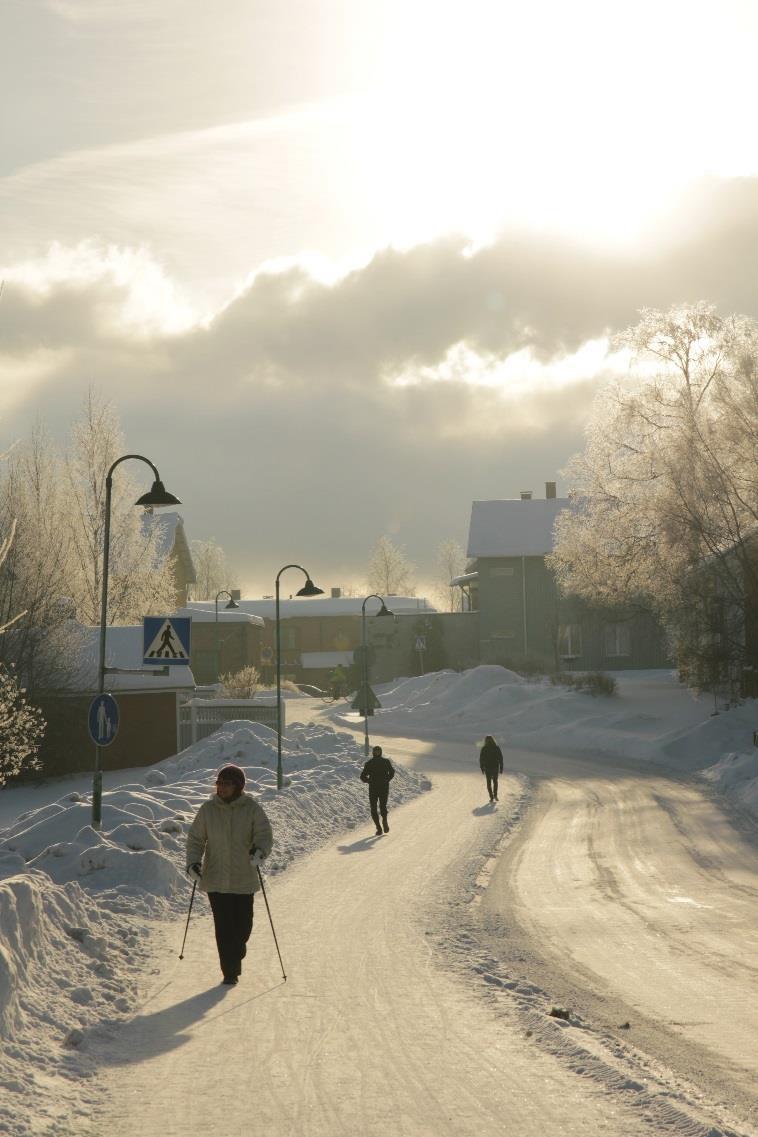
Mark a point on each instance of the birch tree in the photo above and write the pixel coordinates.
(212, 570)
(140, 578)
(666, 491)
(450, 562)
(390, 572)
(21, 725)
(34, 580)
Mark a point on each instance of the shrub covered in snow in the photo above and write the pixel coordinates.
(21, 728)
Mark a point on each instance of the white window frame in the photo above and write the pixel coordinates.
(570, 636)
(617, 640)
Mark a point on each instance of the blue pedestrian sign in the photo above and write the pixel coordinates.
(166, 640)
(103, 720)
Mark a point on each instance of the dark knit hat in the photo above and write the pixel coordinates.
(231, 774)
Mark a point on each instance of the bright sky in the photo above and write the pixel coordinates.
(160, 160)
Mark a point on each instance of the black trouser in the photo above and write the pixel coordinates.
(491, 776)
(233, 920)
(377, 795)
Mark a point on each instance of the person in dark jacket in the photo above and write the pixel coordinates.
(378, 772)
(491, 764)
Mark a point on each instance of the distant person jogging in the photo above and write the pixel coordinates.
(378, 772)
(491, 764)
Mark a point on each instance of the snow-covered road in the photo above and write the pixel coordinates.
(634, 897)
(398, 1017)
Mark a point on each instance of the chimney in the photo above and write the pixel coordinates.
(526, 495)
(236, 593)
(550, 490)
(336, 593)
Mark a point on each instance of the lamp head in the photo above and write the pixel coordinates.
(384, 610)
(158, 495)
(309, 589)
(232, 603)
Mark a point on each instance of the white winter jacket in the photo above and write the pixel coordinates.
(221, 839)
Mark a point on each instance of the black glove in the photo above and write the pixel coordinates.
(195, 872)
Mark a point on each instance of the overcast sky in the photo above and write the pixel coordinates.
(344, 266)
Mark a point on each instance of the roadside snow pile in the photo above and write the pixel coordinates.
(66, 964)
(74, 901)
(736, 775)
(652, 718)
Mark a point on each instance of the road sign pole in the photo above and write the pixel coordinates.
(103, 723)
(97, 792)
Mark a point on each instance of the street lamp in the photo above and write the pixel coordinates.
(232, 604)
(383, 611)
(308, 589)
(157, 495)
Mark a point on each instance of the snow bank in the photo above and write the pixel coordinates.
(652, 718)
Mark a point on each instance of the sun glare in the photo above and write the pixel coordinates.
(547, 115)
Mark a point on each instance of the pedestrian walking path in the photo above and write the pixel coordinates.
(370, 1034)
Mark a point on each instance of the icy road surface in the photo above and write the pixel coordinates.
(416, 1006)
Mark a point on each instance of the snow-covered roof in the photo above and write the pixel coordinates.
(123, 648)
(312, 659)
(514, 528)
(227, 616)
(318, 606)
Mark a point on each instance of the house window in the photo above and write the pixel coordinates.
(502, 570)
(569, 641)
(618, 639)
(716, 617)
(503, 634)
(289, 638)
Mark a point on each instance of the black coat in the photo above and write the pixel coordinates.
(491, 758)
(378, 772)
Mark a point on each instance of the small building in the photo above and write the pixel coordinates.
(523, 617)
(223, 643)
(320, 633)
(148, 705)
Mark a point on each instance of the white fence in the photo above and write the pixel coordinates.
(200, 717)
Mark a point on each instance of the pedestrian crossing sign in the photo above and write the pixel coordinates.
(166, 640)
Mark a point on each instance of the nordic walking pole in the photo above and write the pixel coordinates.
(260, 878)
(192, 901)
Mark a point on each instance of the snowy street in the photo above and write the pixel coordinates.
(633, 900)
(579, 959)
(398, 1016)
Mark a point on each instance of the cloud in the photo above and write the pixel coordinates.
(308, 416)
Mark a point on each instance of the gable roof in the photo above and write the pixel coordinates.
(514, 528)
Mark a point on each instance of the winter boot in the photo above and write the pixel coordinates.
(385, 826)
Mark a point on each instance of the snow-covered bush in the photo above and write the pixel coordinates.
(21, 728)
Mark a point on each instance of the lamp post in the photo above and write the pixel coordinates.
(157, 495)
(308, 589)
(383, 611)
(232, 604)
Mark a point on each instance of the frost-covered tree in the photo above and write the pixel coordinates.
(35, 576)
(666, 491)
(390, 572)
(212, 571)
(140, 577)
(450, 562)
(21, 728)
